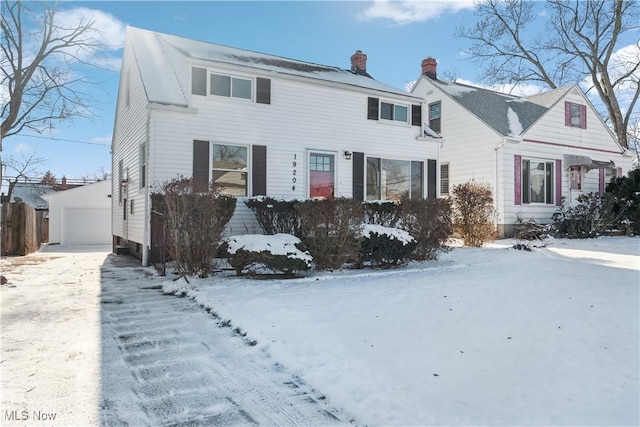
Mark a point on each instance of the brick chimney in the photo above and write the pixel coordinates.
(359, 63)
(429, 66)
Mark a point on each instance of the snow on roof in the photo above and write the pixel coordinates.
(498, 110)
(548, 99)
(162, 86)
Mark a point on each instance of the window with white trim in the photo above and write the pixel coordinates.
(394, 112)
(434, 116)
(230, 169)
(321, 175)
(229, 86)
(389, 179)
(537, 181)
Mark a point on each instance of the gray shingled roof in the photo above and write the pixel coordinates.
(150, 49)
(493, 108)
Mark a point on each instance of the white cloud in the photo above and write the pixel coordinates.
(105, 140)
(521, 90)
(106, 37)
(22, 148)
(406, 12)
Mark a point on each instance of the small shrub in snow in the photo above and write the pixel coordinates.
(591, 217)
(473, 213)
(429, 222)
(385, 246)
(195, 223)
(256, 254)
(331, 230)
(275, 215)
(381, 212)
(529, 234)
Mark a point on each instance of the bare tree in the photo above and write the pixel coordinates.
(22, 168)
(581, 39)
(39, 53)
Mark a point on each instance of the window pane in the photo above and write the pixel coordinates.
(395, 178)
(321, 179)
(220, 85)
(416, 180)
(241, 88)
(373, 178)
(229, 157)
(386, 111)
(537, 177)
(401, 113)
(231, 183)
(549, 183)
(199, 81)
(434, 111)
(575, 115)
(526, 191)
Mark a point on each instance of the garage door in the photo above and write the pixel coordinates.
(86, 226)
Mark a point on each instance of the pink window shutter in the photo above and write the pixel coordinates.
(601, 182)
(517, 182)
(619, 173)
(567, 113)
(583, 116)
(558, 182)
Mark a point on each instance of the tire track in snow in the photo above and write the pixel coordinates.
(181, 368)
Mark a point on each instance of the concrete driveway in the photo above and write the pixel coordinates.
(89, 339)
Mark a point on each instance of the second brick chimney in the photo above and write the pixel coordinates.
(429, 66)
(359, 63)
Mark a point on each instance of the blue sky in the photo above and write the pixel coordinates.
(396, 36)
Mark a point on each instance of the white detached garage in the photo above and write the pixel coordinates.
(81, 215)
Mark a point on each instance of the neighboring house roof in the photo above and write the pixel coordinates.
(507, 114)
(162, 86)
(31, 194)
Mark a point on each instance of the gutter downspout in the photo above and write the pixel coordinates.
(497, 200)
(495, 183)
(146, 237)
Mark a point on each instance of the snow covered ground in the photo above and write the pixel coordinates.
(489, 336)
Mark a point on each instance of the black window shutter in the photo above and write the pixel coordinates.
(259, 170)
(358, 176)
(200, 166)
(372, 110)
(263, 91)
(416, 115)
(432, 191)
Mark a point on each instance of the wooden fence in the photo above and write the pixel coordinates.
(23, 229)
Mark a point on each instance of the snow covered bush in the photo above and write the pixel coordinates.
(473, 213)
(331, 230)
(385, 246)
(625, 192)
(591, 217)
(275, 215)
(256, 254)
(381, 212)
(430, 223)
(195, 223)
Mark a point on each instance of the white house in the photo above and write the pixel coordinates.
(533, 151)
(257, 124)
(81, 215)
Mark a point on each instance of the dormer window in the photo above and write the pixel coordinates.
(230, 86)
(234, 87)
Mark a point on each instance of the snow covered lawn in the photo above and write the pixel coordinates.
(489, 336)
